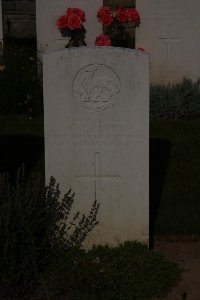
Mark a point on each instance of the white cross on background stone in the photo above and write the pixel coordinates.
(97, 177)
(168, 39)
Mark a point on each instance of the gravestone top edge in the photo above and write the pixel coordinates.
(98, 49)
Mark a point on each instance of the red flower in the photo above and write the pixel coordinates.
(140, 49)
(105, 15)
(76, 11)
(103, 40)
(104, 10)
(121, 15)
(62, 22)
(132, 14)
(73, 21)
(106, 19)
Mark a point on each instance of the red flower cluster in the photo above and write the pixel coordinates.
(122, 15)
(105, 15)
(103, 40)
(72, 20)
(132, 14)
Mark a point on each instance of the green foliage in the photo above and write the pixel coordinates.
(21, 89)
(36, 227)
(41, 257)
(178, 100)
(61, 229)
(129, 271)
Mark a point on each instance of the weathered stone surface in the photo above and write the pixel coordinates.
(96, 102)
(48, 11)
(170, 32)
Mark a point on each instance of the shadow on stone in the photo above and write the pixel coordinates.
(159, 158)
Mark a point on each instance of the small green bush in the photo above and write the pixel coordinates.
(36, 227)
(129, 271)
(174, 101)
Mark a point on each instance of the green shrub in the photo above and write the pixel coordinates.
(173, 101)
(36, 227)
(129, 271)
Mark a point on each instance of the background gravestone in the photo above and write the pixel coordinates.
(1, 27)
(96, 103)
(48, 11)
(170, 32)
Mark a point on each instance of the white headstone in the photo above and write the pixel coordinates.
(48, 11)
(170, 32)
(96, 102)
(1, 27)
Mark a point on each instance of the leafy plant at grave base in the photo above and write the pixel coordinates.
(178, 100)
(115, 22)
(36, 227)
(129, 271)
(21, 89)
(71, 26)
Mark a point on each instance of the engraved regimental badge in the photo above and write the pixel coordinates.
(96, 87)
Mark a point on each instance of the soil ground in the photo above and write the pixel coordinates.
(186, 252)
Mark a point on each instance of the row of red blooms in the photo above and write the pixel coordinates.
(106, 16)
(74, 18)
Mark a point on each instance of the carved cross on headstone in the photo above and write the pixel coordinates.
(97, 177)
(168, 39)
